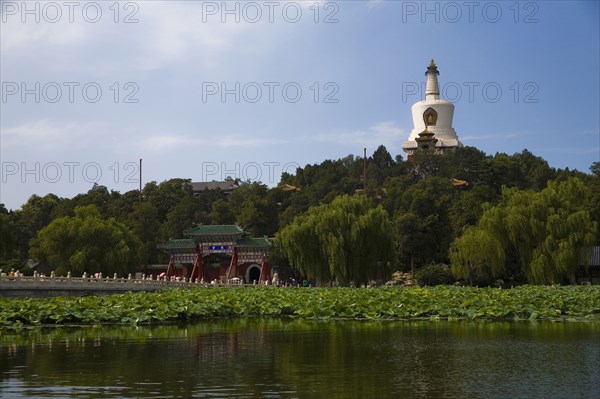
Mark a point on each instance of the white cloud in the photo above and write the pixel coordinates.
(67, 138)
(487, 137)
(386, 133)
(39, 133)
(375, 3)
(18, 36)
(387, 129)
(239, 141)
(168, 142)
(164, 35)
(169, 34)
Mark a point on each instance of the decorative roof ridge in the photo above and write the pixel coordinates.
(214, 229)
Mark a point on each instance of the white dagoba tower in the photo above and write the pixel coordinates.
(432, 120)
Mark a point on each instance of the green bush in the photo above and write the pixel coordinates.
(434, 275)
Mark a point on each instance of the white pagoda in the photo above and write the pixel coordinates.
(432, 120)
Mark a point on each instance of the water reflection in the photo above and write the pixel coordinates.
(285, 358)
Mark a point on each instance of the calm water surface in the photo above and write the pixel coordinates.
(286, 358)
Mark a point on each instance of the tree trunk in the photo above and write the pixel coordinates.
(573, 277)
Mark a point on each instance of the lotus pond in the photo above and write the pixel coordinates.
(441, 302)
(304, 358)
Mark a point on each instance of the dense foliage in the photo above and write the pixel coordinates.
(428, 210)
(434, 275)
(449, 302)
(547, 232)
(348, 240)
(87, 243)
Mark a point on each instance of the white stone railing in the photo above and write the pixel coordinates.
(88, 284)
(102, 283)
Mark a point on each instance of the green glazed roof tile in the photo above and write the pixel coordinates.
(254, 242)
(185, 243)
(218, 229)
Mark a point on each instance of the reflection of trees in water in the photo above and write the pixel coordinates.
(312, 358)
(231, 344)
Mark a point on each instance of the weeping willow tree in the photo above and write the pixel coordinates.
(346, 240)
(547, 231)
(301, 244)
(476, 255)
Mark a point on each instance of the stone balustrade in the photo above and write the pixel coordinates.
(43, 286)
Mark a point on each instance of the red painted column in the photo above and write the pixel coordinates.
(264, 275)
(171, 267)
(201, 267)
(235, 262)
(195, 268)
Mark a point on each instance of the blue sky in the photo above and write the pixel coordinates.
(90, 88)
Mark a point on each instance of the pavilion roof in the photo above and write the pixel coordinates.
(214, 230)
(184, 243)
(214, 234)
(261, 242)
(458, 183)
(188, 245)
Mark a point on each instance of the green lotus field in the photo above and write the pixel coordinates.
(440, 302)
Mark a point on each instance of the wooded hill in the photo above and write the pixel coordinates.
(431, 202)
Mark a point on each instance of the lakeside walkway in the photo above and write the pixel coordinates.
(42, 287)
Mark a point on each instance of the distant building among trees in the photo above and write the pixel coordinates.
(226, 186)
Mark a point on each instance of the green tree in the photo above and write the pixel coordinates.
(379, 167)
(87, 242)
(477, 255)
(348, 240)
(123, 205)
(182, 216)
(464, 163)
(34, 215)
(422, 222)
(143, 222)
(593, 183)
(323, 182)
(595, 169)
(535, 171)
(426, 164)
(99, 196)
(501, 171)
(547, 231)
(7, 240)
(166, 195)
(466, 210)
(254, 209)
(411, 239)
(221, 213)
(205, 200)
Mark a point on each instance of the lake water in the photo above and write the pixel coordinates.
(289, 358)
